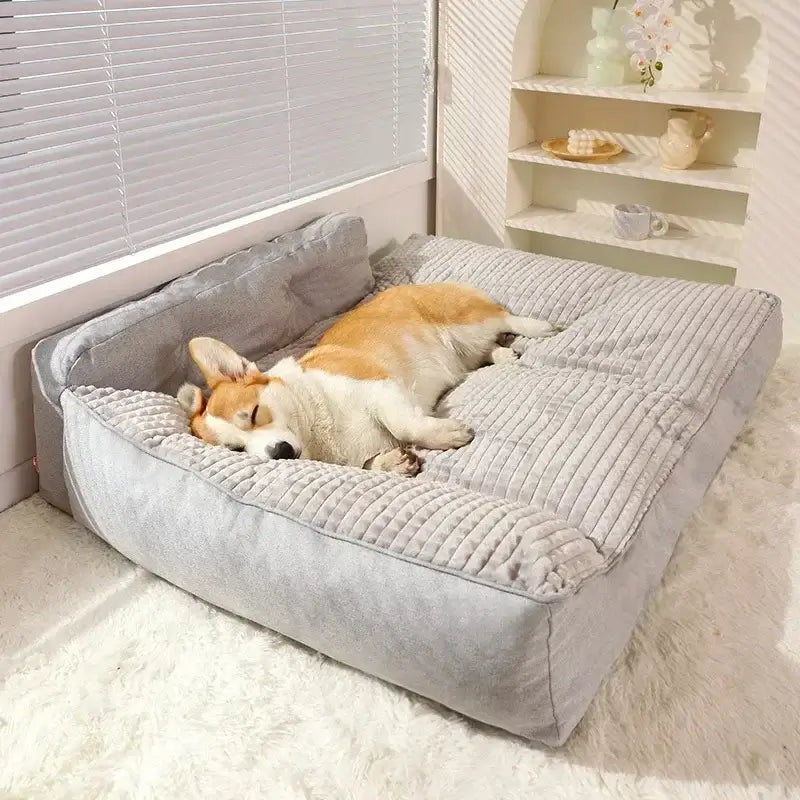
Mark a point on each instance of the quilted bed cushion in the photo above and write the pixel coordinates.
(504, 579)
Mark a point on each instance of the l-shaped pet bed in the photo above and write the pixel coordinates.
(504, 580)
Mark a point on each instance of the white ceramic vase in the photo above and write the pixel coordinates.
(687, 131)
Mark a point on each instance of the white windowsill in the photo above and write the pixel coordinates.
(60, 302)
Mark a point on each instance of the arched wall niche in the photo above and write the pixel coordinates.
(481, 119)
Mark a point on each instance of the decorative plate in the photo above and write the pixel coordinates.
(602, 151)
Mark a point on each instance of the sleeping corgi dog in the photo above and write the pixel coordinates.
(366, 393)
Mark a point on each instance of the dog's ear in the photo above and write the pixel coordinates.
(191, 399)
(218, 362)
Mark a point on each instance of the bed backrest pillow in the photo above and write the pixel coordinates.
(256, 300)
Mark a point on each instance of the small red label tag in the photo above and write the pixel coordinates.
(36, 464)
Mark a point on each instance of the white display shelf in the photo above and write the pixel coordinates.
(595, 228)
(709, 176)
(556, 84)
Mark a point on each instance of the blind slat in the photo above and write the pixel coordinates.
(147, 185)
(30, 115)
(55, 154)
(88, 248)
(31, 8)
(85, 216)
(69, 169)
(157, 14)
(49, 96)
(53, 196)
(224, 138)
(270, 124)
(164, 117)
(50, 232)
(75, 127)
(39, 185)
(241, 131)
(199, 194)
(22, 85)
(83, 41)
(144, 30)
(148, 228)
(26, 145)
(75, 71)
(15, 53)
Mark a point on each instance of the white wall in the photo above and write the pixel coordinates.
(390, 218)
(772, 244)
(481, 51)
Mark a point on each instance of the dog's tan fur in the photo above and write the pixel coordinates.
(344, 361)
(372, 341)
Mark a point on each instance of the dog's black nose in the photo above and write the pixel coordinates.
(282, 450)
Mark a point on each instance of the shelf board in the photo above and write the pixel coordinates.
(710, 176)
(595, 228)
(733, 101)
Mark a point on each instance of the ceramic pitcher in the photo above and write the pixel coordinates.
(686, 132)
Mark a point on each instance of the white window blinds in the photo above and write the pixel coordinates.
(125, 123)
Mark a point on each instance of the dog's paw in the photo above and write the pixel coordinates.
(504, 355)
(399, 461)
(449, 435)
(545, 331)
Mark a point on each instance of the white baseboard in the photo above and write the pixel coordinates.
(18, 483)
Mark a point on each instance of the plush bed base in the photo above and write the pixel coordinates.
(505, 579)
(529, 667)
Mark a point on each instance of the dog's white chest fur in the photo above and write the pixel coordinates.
(342, 428)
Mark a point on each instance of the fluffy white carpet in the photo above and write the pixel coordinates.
(117, 685)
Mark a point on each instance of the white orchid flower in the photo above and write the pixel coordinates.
(650, 37)
(641, 11)
(642, 41)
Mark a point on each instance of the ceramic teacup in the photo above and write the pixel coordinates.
(637, 222)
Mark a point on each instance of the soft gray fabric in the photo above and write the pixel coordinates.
(528, 664)
(505, 579)
(256, 300)
(590, 630)
(453, 528)
(459, 642)
(570, 448)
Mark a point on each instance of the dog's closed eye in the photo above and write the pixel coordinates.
(244, 419)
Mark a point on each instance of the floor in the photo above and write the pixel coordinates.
(114, 684)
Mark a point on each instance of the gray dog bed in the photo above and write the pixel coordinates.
(506, 578)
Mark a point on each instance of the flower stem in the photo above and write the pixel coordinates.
(649, 79)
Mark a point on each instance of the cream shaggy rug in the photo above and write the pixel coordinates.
(117, 685)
